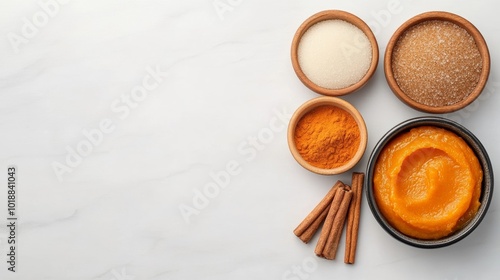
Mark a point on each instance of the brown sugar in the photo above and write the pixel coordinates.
(436, 63)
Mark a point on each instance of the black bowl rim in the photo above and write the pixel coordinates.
(487, 185)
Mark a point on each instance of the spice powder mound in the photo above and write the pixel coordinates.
(327, 137)
(436, 63)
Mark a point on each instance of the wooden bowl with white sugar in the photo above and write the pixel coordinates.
(334, 53)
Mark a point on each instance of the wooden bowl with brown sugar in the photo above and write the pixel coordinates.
(327, 135)
(437, 62)
(334, 53)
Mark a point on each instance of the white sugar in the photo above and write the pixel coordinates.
(334, 54)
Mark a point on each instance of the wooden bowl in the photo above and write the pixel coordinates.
(444, 16)
(330, 15)
(330, 101)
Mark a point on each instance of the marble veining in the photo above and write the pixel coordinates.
(149, 139)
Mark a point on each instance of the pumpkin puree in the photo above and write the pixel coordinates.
(427, 182)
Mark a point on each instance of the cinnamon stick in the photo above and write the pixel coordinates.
(353, 218)
(308, 234)
(334, 223)
(308, 227)
(327, 226)
(333, 240)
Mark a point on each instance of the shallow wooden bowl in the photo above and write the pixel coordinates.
(331, 101)
(329, 15)
(444, 16)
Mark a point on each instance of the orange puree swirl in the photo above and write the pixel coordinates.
(427, 182)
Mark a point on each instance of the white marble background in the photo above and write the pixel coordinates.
(174, 94)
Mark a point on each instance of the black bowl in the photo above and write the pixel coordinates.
(487, 185)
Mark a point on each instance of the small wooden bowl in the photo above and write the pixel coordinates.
(330, 101)
(444, 16)
(329, 15)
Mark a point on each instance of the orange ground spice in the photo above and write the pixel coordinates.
(327, 137)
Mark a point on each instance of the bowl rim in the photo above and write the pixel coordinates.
(487, 184)
(331, 101)
(328, 15)
(443, 16)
